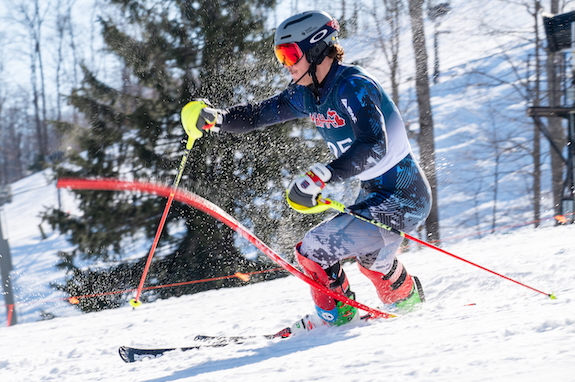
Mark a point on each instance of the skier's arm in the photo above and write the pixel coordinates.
(247, 117)
(362, 104)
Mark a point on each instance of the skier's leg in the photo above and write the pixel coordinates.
(338, 238)
(320, 254)
(404, 207)
(395, 287)
(329, 309)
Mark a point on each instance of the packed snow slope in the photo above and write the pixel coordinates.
(475, 326)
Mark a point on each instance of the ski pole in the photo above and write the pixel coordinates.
(189, 117)
(135, 302)
(325, 204)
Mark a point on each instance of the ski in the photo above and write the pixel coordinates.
(130, 354)
(224, 340)
(284, 333)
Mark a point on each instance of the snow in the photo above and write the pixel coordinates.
(475, 326)
(34, 258)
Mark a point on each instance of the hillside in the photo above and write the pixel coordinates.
(475, 327)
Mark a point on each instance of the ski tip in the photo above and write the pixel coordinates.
(552, 296)
(125, 354)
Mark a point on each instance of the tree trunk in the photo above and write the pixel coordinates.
(390, 42)
(555, 125)
(536, 133)
(556, 131)
(426, 138)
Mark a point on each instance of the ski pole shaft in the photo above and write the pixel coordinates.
(342, 208)
(135, 302)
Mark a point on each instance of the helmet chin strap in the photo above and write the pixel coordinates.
(299, 79)
(312, 71)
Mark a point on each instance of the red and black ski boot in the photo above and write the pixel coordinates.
(397, 289)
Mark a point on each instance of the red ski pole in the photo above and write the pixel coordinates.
(135, 302)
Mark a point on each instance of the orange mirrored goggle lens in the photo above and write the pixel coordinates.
(288, 54)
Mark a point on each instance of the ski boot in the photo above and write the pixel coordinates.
(330, 310)
(398, 290)
(307, 323)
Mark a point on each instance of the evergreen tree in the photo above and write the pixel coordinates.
(177, 51)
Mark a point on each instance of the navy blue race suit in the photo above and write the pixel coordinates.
(365, 132)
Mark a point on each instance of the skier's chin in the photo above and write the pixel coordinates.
(305, 80)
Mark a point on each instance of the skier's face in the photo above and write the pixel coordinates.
(288, 54)
(300, 69)
(294, 60)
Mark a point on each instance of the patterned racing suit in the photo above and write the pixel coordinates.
(365, 132)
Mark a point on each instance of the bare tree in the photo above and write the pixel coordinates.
(11, 167)
(389, 39)
(32, 18)
(426, 138)
(536, 153)
(12, 155)
(62, 22)
(505, 148)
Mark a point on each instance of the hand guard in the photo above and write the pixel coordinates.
(304, 190)
(197, 117)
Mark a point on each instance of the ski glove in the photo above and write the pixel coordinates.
(304, 190)
(199, 116)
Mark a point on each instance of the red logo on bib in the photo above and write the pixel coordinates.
(333, 120)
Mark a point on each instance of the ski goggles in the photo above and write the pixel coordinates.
(288, 54)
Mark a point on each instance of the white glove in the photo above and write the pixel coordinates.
(208, 119)
(304, 190)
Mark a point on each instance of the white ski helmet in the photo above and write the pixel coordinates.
(308, 33)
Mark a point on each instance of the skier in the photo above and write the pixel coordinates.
(366, 134)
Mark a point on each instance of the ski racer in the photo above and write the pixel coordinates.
(366, 134)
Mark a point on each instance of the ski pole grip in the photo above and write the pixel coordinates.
(190, 143)
(189, 115)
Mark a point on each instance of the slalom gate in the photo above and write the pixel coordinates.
(217, 213)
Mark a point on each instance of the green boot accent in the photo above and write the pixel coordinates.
(345, 313)
(413, 301)
(341, 313)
